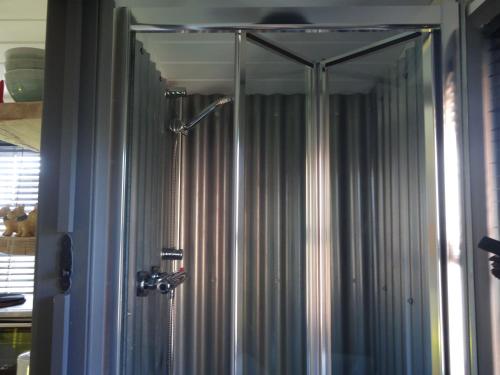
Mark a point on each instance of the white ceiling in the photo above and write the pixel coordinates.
(22, 24)
(203, 63)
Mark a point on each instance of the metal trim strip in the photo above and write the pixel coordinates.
(274, 47)
(398, 39)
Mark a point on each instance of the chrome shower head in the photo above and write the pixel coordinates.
(180, 127)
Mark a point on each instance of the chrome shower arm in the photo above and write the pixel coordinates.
(185, 127)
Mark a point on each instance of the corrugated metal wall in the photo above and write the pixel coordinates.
(273, 313)
(274, 322)
(493, 107)
(492, 165)
(380, 303)
(379, 292)
(203, 302)
(149, 170)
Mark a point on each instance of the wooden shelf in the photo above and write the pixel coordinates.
(21, 124)
(20, 111)
(18, 245)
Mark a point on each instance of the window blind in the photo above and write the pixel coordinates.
(17, 274)
(19, 174)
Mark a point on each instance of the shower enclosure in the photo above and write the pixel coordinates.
(282, 215)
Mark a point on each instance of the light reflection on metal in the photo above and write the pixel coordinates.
(277, 49)
(239, 126)
(453, 213)
(492, 192)
(435, 293)
(315, 19)
(180, 127)
(316, 269)
(318, 244)
(375, 47)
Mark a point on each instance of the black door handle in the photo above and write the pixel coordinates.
(492, 246)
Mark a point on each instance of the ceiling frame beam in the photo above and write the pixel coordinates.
(372, 48)
(197, 19)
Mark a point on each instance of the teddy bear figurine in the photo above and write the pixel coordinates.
(26, 224)
(12, 219)
(4, 211)
(33, 219)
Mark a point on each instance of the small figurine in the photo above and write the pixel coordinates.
(12, 219)
(26, 224)
(4, 211)
(33, 218)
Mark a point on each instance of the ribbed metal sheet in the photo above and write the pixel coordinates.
(273, 313)
(150, 150)
(492, 162)
(380, 309)
(203, 303)
(379, 301)
(493, 107)
(273, 301)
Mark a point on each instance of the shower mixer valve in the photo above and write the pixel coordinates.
(163, 282)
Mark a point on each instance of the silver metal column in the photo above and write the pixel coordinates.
(456, 240)
(431, 210)
(120, 116)
(238, 213)
(318, 234)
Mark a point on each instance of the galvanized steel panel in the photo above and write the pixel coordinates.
(378, 176)
(376, 157)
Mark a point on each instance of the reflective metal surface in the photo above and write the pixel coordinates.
(458, 283)
(172, 19)
(492, 157)
(309, 228)
(150, 165)
(171, 253)
(239, 118)
(277, 49)
(398, 39)
(318, 235)
(175, 92)
(430, 211)
(203, 308)
(383, 289)
(163, 282)
(268, 264)
(183, 128)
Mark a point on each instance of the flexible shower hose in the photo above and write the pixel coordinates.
(173, 226)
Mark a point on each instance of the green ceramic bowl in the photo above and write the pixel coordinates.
(23, 63)
(24, 52)
(25, 85)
